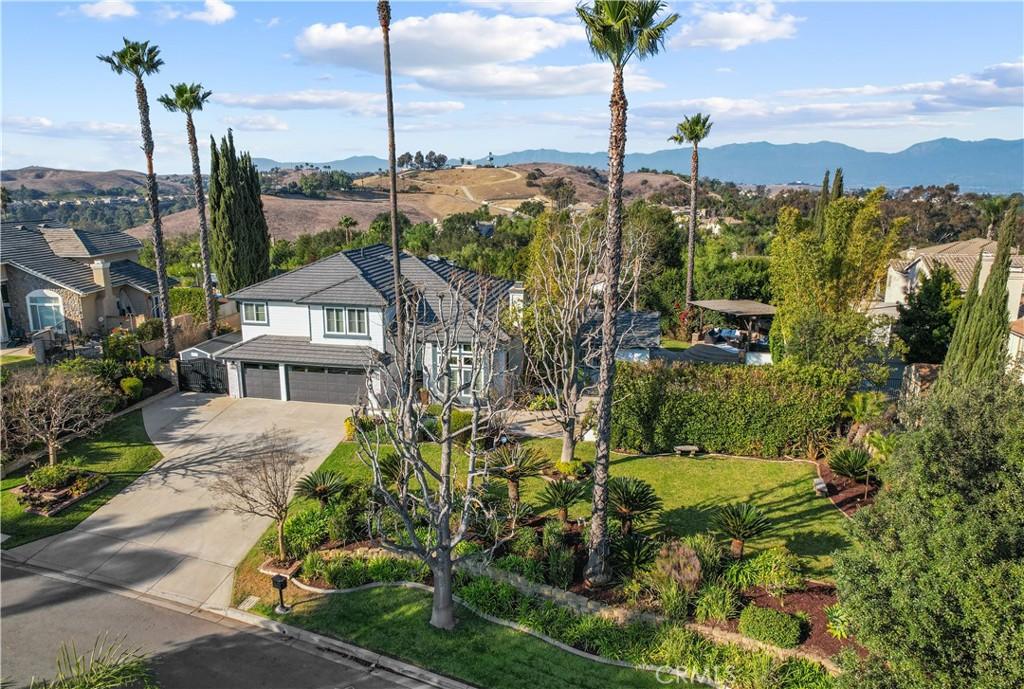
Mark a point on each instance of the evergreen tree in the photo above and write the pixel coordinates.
(955, 349)
(928, 318)
(818, 219)
(238, 229)
(979, 352)
(837, 185)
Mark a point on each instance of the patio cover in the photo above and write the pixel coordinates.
(741, 308)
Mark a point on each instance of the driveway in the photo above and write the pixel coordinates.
(163, 535)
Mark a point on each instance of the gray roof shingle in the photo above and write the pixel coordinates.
(131, 273)
(635, 329)
(298, 350)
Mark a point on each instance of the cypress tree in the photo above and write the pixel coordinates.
(837, 185)
(819, 207)
(238, 228)
(955, 350)
(980, 349)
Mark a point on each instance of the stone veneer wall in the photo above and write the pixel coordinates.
(20, 284)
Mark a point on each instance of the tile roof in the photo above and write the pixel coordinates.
(636, 329)
(44, 248)
(298, 350)
(1017, 327)
(131, 273)
(216, 344)
(959, 257)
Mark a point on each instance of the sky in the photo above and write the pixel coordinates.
(303, 81)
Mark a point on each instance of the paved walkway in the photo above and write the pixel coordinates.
(163, 535)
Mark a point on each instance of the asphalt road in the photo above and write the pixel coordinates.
(40, 613)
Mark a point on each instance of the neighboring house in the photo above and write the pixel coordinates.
(73, 281)
(639, 334)
(312, 333)
(212, 347)
(1016, 346)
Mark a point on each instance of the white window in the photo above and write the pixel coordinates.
(254, 312)
(460, 368)
(345, 321)
(45, 310)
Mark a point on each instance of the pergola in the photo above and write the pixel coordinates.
(746, 309)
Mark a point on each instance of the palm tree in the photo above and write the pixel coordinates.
(384, 15)
(632, 500)
(322, 485)
(740, 523)
(617, 31)
(140, 60)
(992, 209)
(562, 494)
(514, 462)
(693, 129)
(862, 408)
(188, 98)
(345, 224)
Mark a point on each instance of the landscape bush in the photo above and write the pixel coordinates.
(51, 477)
(460, 418)
(716, 602)
(837, 621)
(150, 329)
(748, 410)
(121, 346)
(132, 387)
(146, 368)
(531, 570)
(110, 371)
(770, 626)
(541, 403)
(850, 462)
(190, 300)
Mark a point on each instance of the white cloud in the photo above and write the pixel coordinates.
(357, 103)
(324, 77)
(108, 9)
(724, 70)
(44, 126)
(530, 81)
(256, 123)
(273, 21)
(547, 8)
(442, 40)
(213, 12)
(740, 25)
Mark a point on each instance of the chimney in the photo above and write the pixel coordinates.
(101, 276)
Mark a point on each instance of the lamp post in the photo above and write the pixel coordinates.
(280, 582)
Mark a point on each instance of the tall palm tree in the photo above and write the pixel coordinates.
(188, 98)
(693, 129)
(617, 31)
(992, 209)
(384, 14)
(345, 224)
(140, 60)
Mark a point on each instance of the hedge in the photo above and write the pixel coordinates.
(770, 626)
(190, 300)
(764, 411)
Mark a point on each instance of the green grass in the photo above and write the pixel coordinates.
(395, 621)
(674, 345)
(14, 362)
(121, 450)
(692, 489)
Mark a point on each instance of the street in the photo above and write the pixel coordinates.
(39, 613)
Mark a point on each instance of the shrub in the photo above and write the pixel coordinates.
(491, 597)
(146, 368)
(314, 566)
(347, 515)
(191, 300)
(523, 543)
(49, 477)
(132, 387)
(559, 565)
(850, 462)
(541, 403)
(349, 429)
(460, 418)
(740, 522)
(121, 346)
(347, 572)
(632, 501)
(631, 554)
(770, 626)
(709, 551)
(838, 621)
(777, 571)
(305, 532)
(716, 602)
(740, 574)
(322, 485)
(765, 411)
(385, 568)
(150, 329)
(678, 563)
(84, 484)
(107, 370)
(529, 569)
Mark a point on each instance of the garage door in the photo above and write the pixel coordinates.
(262, 380)
(320, 384)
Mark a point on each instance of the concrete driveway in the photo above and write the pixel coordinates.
(163, 535)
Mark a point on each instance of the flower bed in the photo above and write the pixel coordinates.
(48, 498)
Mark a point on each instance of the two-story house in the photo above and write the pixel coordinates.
(73, 281)
(311, 334)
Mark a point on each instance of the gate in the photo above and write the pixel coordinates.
(204, 375)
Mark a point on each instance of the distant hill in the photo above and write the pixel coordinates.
(991, 165)
(352, 164)
(53, 181)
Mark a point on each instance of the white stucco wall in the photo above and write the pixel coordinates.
(234, 379)
(284, 318)
(375, 329)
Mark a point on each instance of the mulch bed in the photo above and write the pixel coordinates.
(48, 503)
(812, 602)
(846, 494)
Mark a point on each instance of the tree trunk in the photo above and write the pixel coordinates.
(568, 441)
(693, 226)
(281, 554)
(513, 492)
(154, 208)
(384, 14)
(204, 233)
(442, 612)
(51, 450)
(597, 572)
(563, 515)
(737, 548)
(627, 526)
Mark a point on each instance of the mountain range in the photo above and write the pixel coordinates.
(991, 165)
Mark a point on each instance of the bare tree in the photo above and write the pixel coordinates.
(458, 334)
(50, 406)
(637, 247)
(562, 339)
(262, 484)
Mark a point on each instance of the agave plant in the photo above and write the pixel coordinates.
(632, 553)
(740, 523)
(837, 621)
(563, 494)
(322, 485)
(632, 501)
(514, 462)
(851, 462)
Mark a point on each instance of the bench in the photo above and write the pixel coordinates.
(689, 449)
(820, 488)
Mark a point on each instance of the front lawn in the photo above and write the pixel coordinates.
(674, 345)
(121, 450)
(395, 621)
(691, 490)
(13, 362)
